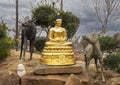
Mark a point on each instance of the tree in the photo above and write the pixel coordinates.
(106, 12)
(44, 16)
(108, 43)
(70, 22)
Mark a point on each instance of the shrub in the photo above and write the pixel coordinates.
(118, 69)
(4, 49)
(112, 61)
(108, 43)
(40, 43)
(4, 53)
(5, 45)
(2, 33)
(5, 42)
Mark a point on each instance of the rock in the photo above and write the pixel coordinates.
(43, 80)
(85, 82)
(98, 83)
(45, 69)
(73, 80)
(115, 81)
(111, 74)
(9, 79)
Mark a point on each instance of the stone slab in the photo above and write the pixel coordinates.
(43, 80)
(46, 69)
(61, 79)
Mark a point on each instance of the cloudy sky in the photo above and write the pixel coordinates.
(81, 8)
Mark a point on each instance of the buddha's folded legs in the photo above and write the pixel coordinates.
(58, 43)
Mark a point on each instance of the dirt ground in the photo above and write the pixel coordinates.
(9, 65)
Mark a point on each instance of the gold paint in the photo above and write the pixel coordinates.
(57, 50)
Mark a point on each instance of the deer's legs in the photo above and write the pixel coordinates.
(96, 63)
(24, 47)
(31, 48)
(22, 42)
(101, 66)
(87, 62)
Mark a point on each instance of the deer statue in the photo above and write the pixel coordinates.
(93, 51)
(28, 33)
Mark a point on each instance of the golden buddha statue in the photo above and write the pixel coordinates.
(57, 35)
(57, 50)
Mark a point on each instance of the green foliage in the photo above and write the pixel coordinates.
(118, 69)
(4, 50)
(70, 22)
(5, 42)
(40, 43)
(2, 33)
(112, 61)
(108, 43)
(44, 16)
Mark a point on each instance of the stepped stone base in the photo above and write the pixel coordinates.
(46, 69)
(64, 79)
(43, 80)
(56, 75)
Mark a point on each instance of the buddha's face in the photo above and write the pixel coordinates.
(58, 22)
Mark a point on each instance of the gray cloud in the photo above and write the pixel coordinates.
(82, 8)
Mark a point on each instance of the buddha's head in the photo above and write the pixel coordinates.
(58, 22)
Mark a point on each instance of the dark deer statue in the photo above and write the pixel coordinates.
(28, 33)
(93, 51)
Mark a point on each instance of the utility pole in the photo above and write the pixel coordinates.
(61, 7)
(16, 38)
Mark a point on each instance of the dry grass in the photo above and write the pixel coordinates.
(9, 65)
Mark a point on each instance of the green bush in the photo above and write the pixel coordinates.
(5, 42)
(112, 61)
(108, 43)
(118, 69)
(4, 53)
(5, 47)
(40, 43)
(4, 50)
(2, 33)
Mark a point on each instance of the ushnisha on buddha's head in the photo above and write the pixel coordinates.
(58, 22)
